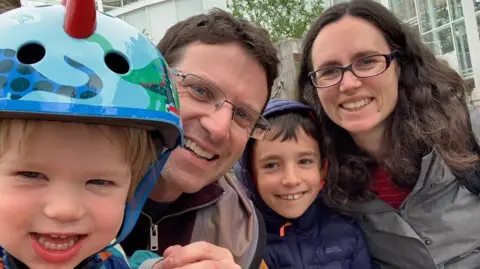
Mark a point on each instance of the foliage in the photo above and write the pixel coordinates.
(281, 18)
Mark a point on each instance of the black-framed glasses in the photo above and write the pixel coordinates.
(365, 67)
(209, 98)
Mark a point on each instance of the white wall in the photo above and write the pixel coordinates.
(156, 16)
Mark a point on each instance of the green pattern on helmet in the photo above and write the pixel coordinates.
(151, 77)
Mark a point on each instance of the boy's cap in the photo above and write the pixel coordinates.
(275, 106)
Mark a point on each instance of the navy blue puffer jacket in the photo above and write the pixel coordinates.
(319, 239)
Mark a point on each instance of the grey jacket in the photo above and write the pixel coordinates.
(436, 227)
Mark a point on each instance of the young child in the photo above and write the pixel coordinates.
(284, 174)
(88, 118)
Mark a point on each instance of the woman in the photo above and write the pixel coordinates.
(398, 135)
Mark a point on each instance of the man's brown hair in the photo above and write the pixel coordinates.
(220, 27)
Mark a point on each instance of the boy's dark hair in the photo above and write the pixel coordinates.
(220, 27)
(285, 126)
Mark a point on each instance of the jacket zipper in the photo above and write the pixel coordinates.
(154, 226)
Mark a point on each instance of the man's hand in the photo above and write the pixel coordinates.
(198, 255)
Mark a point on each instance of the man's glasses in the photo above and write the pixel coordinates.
(209, 98)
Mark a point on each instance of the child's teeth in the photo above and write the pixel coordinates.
(44, 241)
(292, 196)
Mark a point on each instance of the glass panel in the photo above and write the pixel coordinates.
(439, 41)
(404, 9)
(433, 13)
(126, 2)
(456, 9)
(478, 24)
(188, 8)
(164, 17)
(463, 51)
(208, 4)
(476, 3)
(339, 1)
(111, 4)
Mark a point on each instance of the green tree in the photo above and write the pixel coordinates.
(281, 18)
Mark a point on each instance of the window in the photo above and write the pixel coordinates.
(404, 9)
(188, 8)
(433, 14)
(456, 9)
(127, 2)
(439, 41)
(476, 3)
(463, 51)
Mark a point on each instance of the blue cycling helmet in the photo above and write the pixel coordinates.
(71, 63)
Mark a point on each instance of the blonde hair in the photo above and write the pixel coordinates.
(137, 144)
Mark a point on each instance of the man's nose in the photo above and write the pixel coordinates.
(218, 122)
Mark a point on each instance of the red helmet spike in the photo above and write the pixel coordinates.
(80, 18)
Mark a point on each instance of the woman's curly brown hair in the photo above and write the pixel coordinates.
(431, 112)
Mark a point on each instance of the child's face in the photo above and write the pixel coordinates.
(63, 193)
(288, 173)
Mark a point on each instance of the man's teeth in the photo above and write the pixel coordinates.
(291, 196)
(68, 242)
(357, 104)
(198, 150)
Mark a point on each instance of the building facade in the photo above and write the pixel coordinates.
(450, 28)
(152, 17)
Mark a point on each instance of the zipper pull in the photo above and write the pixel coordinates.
(154, 237)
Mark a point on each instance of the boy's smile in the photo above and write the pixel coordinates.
(57, 248)
(292, 197)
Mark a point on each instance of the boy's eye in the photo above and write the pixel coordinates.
(31, 175)
(306, 161)
(100, 182)
(270, 166)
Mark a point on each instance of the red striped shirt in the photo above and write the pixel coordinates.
(387, 190)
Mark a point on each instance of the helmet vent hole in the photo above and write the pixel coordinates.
(117, 63)
(31, 53)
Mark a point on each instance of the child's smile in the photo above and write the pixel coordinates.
(57, 248)
(292, 197)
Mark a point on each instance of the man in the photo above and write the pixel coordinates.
(224, 69)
